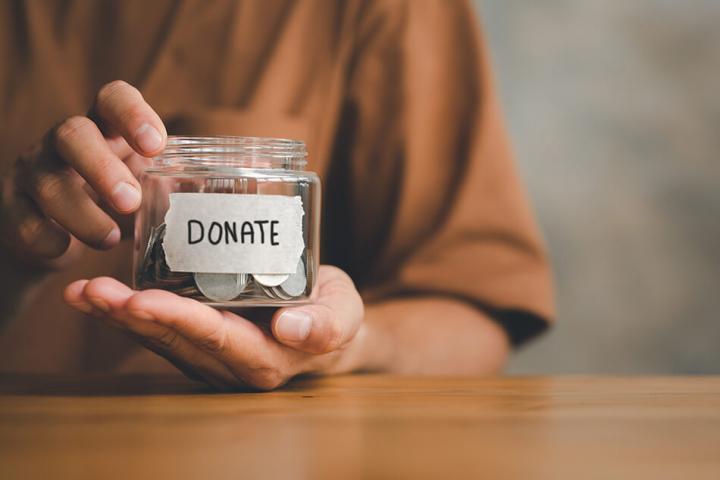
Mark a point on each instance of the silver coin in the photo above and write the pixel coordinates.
(311, 268)
(296, 283)
(279, 294)
(149, 246)
(221, 287)
(268, 291)
(270, 280)
(190, 291)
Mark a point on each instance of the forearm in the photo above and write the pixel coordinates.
(428, 336)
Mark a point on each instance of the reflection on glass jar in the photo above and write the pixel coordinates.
(229, 221)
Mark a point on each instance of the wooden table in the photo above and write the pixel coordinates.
(362, 427)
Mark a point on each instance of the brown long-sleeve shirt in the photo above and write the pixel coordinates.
(395, 102)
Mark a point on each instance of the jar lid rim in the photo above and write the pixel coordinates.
(233, 150)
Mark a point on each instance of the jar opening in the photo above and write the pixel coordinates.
(237, 152)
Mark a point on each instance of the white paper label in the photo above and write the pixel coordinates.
(233, 233)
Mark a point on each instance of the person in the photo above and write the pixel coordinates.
(432, 261)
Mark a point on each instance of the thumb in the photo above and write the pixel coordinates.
(329, 322)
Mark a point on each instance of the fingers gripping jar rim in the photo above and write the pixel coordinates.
(229, 221)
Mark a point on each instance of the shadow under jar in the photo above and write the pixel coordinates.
(229, 221)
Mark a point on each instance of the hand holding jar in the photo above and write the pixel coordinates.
(225, 349)
(79, 188)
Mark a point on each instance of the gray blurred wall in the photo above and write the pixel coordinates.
(614, 110)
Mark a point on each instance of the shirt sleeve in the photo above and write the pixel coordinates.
(437, 204)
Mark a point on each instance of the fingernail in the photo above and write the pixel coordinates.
(112, 238)
(293, 326)
(125, 197)
(148, 138)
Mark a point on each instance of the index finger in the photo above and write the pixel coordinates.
(120, 109)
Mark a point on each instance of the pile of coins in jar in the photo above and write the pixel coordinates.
(219, 287)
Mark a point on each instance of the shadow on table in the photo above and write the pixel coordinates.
(99, 385)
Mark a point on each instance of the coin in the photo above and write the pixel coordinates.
(149, 248)
(268, 291)
(310, 270)
(221, 287)
(295, 284)
(190, 291)
(270, 280)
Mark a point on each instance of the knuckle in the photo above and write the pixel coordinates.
(267, 377)
(30, 230)
(330, 336)
(48, 187)
(71, 128)
(335, 336)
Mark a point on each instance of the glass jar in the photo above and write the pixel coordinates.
(229, 221)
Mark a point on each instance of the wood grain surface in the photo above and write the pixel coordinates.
(362, 427)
